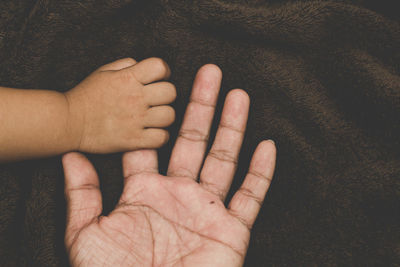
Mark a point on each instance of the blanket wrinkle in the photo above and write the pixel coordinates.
(324, 81)
(303, 24)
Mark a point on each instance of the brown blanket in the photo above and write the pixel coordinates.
(324, 81)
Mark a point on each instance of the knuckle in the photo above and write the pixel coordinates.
(182, 172)
(126, 76)
(100, 69)
(130, 60)
(214, 188)
(260, 176)
(223, 155)
(169, 86)
(230, 127)
(193, 135)
(83, 187)
(242, 220)
(251, 195)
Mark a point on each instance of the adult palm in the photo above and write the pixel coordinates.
(179, 219)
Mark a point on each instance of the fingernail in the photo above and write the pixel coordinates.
(272, 141)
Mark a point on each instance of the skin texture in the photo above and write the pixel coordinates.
(119, 107)
(179, 219)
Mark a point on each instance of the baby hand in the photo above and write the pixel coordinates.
(121, 107)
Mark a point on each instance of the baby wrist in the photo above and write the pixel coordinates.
(75, 122)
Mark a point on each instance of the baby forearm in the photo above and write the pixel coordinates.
(119, 107)
(34, 123)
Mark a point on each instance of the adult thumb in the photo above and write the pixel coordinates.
(82, 194)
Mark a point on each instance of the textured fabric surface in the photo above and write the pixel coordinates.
(323, 77)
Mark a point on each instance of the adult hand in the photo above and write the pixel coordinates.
(179, 219)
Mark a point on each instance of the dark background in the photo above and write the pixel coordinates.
(323, 77)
